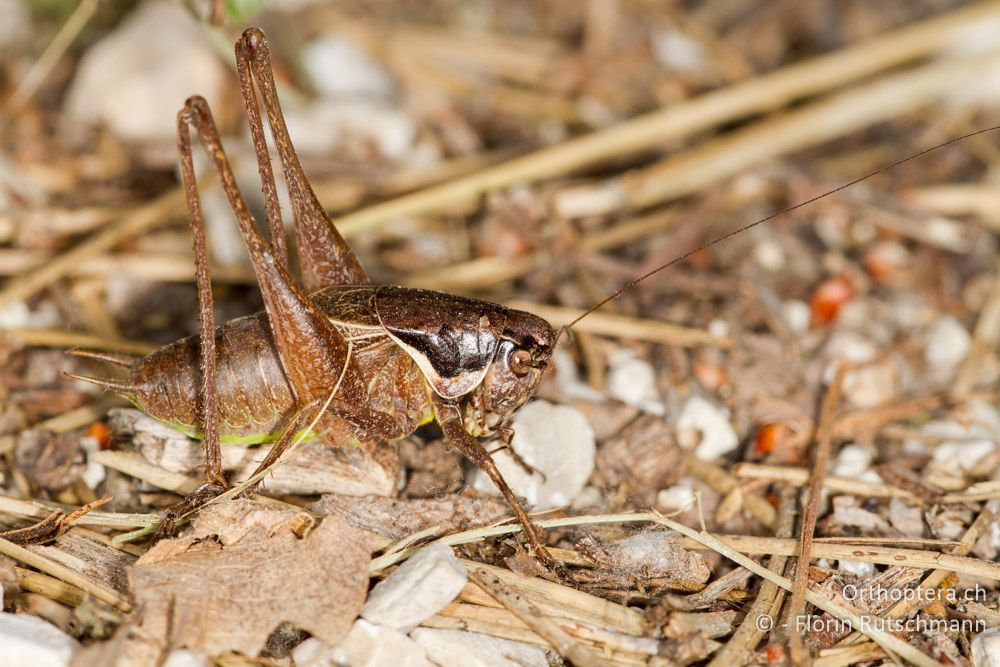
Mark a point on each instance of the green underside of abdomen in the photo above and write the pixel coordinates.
(251, 439)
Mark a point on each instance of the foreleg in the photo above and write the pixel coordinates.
(449, 416)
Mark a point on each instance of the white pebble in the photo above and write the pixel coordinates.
(589, 200)
(676, 498)
(706, 428)
(568, 378)
(851, 347)
(136, 79)
(871, 476)
(796, 315)
(555, 440)
(891, 254)
(965, 454)
(185, 658)
(871, 385)
(17, 315)
(907, 520)
(947, 232)
(28, 640)
(856, 567)
(678, 52)
(769, 255)
(975, 433)
(94, 473)
(852, 461)
(367, 645)
(326, 127)
(590, 498)
(947, 344)
(470, 649)
(418, 589)
(14, 315)
(986, 648)
(632, 381)
(719, 328)
(338, 69)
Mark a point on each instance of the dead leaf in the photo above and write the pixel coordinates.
(241, 571)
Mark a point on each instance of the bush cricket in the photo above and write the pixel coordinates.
(352, 360)
(337, 357)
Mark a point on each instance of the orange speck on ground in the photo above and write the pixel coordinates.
(100, 432)
(828, 298)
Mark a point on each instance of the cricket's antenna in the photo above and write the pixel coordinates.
(621, 290)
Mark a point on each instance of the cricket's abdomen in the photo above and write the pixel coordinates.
(254, 394)
(255, 397)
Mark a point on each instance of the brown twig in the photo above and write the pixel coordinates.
(797, 604)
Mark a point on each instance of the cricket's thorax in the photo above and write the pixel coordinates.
(255, 396)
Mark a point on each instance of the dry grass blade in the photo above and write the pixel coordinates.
(866, 553)
(50, 527)
(724, 483)
(142, 219)
(769, 598)
(138, 467)
(849, 655)
(535, 619)
(809, 126)
(800, 477)
(71, 339)
(564, 602)
(399, 553)
(37, 509)
(620, 326)
(762, 93)
(53, 52)
(50, 587)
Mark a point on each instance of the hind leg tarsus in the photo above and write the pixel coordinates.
(201, 495)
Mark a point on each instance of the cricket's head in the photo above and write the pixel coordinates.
(521, 359)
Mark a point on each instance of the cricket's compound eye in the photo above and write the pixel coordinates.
(520, 362)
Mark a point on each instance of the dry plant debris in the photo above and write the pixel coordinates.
(242, 570)
(825, 383)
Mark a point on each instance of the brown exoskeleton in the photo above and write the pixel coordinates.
(359, 361)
